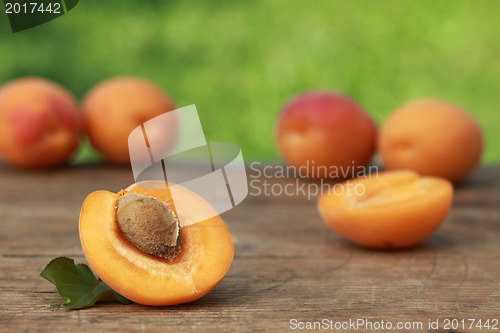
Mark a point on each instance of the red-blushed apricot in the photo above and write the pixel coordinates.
(432, 137)
(326, 133)
(205, 256)
(115, 107)
(391, 210)
(40, 124)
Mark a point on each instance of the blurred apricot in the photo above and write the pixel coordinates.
(326, 133)
(115, 107)
(40, 123)
(389, 210)
(432, 137)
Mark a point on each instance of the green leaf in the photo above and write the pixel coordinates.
(77, 285)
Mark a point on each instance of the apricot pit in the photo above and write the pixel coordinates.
(150, 225)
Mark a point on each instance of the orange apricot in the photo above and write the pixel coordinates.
(206, 247)
(115, 107)
(327, 134)
(433, 138)
(40, 124)
(391, 210)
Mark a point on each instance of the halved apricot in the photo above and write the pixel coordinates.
(205, 256)
(394, 209)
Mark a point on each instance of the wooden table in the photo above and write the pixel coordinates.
(288, 265)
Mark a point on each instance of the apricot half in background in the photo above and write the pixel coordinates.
(394, 209)
(134, 242)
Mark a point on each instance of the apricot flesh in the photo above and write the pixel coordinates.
(205, 256)
(391, 210)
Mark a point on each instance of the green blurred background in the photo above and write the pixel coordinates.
(241, 61)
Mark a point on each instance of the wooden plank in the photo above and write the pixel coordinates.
(287, 265)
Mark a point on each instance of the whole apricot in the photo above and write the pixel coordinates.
(40, 123)
(115, 107)
(327, 134)
(389, 210)
(432, 137)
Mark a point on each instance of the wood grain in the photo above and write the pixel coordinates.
(287, 265)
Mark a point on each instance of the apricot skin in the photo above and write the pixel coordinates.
(205, 257)
(433, 138)
(115, 107)
(325, 129)
(40, 123)
(398, 209)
